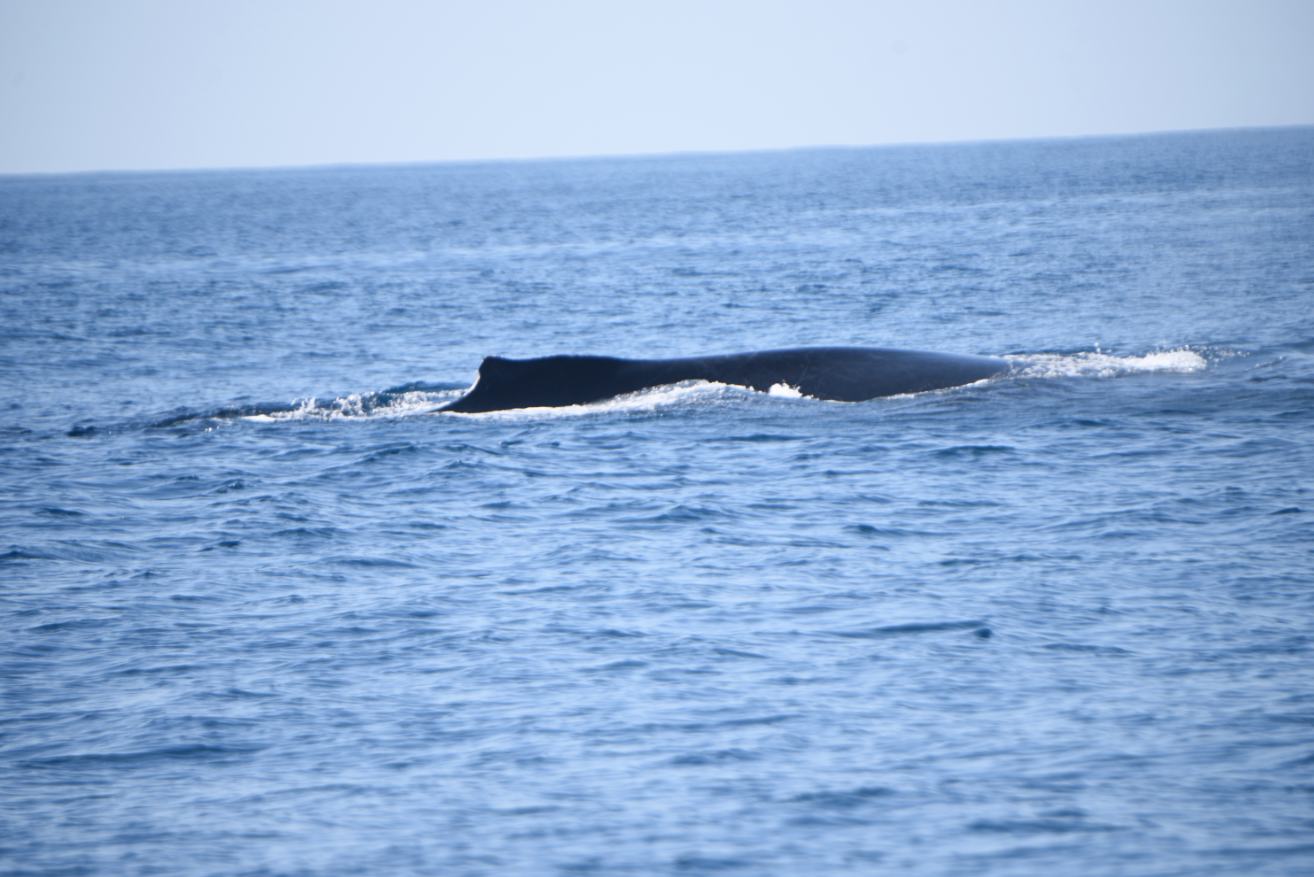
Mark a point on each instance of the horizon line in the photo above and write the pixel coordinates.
(605, 156)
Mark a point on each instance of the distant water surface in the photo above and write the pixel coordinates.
(266, 613)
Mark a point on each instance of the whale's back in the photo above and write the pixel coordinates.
(845, 374)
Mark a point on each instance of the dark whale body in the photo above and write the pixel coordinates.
(844, 374)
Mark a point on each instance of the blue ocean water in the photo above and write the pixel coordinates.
(266, 613)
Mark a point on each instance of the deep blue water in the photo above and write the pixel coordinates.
(264, 612)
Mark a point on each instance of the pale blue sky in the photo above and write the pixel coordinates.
(88, 85)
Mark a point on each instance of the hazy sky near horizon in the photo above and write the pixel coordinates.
(139, 84)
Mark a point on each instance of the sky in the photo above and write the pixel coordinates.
(166, 84)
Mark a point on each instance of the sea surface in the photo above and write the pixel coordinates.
(263, 611)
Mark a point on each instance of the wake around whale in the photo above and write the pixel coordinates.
(844, 374)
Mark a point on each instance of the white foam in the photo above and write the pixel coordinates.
(651, 399)
(361, 406)
(1106, 365)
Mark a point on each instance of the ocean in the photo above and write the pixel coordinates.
(265, 611)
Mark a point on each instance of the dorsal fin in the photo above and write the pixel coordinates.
(495, 366)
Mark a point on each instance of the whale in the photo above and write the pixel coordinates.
(842, 374)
